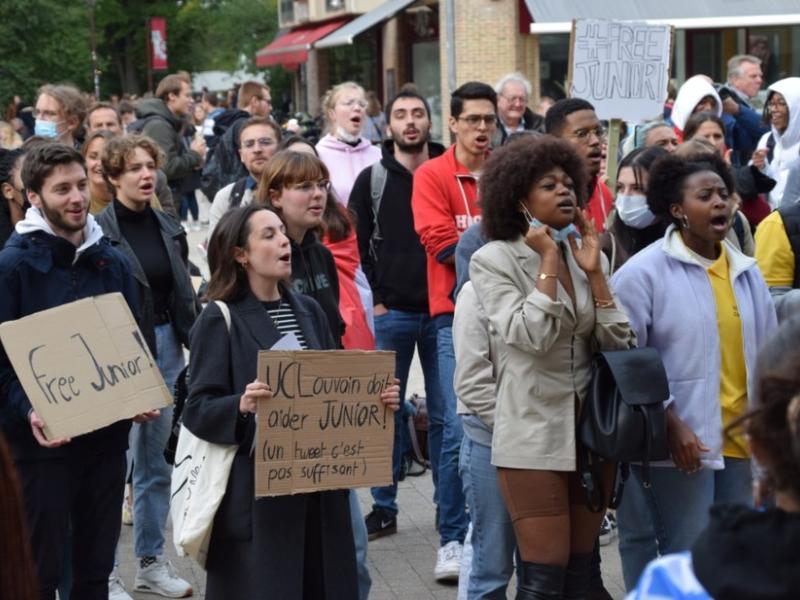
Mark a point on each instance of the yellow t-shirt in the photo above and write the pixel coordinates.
(774, 251)
(733, 371)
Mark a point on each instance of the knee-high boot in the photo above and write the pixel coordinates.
(577, 577)
(540, 582)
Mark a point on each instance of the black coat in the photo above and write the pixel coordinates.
(183, 304)
(297, 546)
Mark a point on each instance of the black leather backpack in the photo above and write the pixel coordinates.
(623, 419)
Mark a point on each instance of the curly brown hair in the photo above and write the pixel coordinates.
(118, 151)
(511, 171)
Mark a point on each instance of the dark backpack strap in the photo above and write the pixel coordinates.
(790, 215)
(377, 184)
(237, 193)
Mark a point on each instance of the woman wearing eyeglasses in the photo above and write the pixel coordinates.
(346, 153)
(343, 150)
(778, 152)
(295, 185)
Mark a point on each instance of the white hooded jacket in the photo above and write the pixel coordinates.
(786, 153)
(34, 221)
(689, 95)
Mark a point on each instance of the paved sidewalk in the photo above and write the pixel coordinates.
(401, 565)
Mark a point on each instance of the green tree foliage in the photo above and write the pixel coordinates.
(49, 41)
(42, 41)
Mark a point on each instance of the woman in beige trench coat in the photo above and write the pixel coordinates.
(544, 289)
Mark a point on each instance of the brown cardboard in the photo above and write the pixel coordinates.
(325, 427)
(84, 365)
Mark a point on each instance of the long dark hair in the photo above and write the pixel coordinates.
(774, 422)
(228, 280)
(17, 577)
(633, 240)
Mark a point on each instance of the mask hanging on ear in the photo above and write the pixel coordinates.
(559, 235)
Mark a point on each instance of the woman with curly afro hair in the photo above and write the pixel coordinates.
(704, 306)
(543, 287)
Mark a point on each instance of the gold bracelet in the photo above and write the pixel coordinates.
(544, 276)
(604, 303)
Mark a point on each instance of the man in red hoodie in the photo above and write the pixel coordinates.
(444, 202)
(574, 120)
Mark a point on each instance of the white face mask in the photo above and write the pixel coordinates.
(633, 211)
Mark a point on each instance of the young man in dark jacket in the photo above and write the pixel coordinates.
(164, 117)
(58, 255)
(394, 262)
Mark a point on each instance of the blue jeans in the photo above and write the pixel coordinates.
(151, 473)
(360, 539)
(189, 205)
(402, 331)
(444, 441)
(493, 541)
(668, 516)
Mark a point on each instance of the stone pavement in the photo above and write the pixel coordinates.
(401, 565)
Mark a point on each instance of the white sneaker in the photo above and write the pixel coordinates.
(161, 579)
(608, 529)
(448, 562)
(116, 590)
(127, 505)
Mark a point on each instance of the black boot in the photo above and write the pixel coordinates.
(540, 582)
(577, 577)
(597, 590)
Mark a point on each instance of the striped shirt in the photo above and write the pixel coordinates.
(282, 315)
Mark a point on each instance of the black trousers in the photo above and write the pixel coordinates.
(84, 494)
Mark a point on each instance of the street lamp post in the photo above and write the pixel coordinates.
(93, 41)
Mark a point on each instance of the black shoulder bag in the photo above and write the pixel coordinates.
(622, 420)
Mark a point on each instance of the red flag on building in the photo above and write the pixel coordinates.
(158, 44)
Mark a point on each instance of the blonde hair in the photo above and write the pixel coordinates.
(331, 97)
(9, 139)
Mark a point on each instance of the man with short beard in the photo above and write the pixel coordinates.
(395, 265)
(57, 255)
(575, 120)
(445, 205)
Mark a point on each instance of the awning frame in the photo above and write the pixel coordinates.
(688, 23)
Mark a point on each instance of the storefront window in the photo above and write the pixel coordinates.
(778, 48)
(554, 64)
(358, 62)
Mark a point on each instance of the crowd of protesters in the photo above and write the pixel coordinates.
(505, 261)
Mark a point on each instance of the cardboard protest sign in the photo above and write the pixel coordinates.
(325, 427)
(84, 365)
(621, 67)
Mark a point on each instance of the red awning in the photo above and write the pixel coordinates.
(291, 49)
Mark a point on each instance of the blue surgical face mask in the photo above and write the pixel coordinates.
(559, 235)
(47, 129)
(633, 211)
